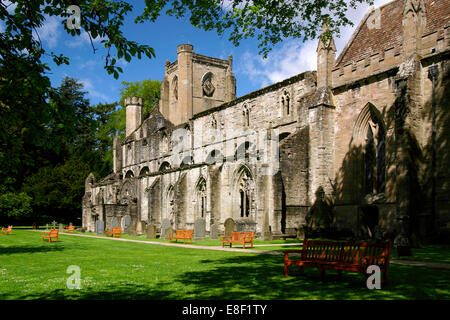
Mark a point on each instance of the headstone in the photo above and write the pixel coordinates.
(61, 227)
(165, 224)
(229, 225)
(151, 231)
(114, 222)
(267, 230)
(167, 231)
(199, 229)
(141, 228)
(127, 224)
(245, 225)
(54, 224)
(214, 232)
(46, 227)
(301, 232)
(100, 227)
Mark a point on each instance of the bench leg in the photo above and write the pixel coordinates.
(322, 273)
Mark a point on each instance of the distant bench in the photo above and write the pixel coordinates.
(114, 232)
(239, 237)
(49, 235)
(7, 230)
(69, 229)
(185, 235)
(348, 256)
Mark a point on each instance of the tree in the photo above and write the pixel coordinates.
(14, 206)
(148, 90)
(57, 191)
(112, 120)
(270, 21)
(28, 104)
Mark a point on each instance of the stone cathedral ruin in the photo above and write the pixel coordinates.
(367, 133)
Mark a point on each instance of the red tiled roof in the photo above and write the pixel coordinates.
(370, 41)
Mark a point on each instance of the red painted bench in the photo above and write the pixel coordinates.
(69, 229)
(49, 235)
(7, 230)
(239, 237)
(114, 232)
(347, 256)
(181, 235)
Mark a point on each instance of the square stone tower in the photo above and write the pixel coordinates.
(195, 83)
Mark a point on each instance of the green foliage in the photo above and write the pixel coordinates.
(57, 191)
(113, 270)
(42, 128)
(149, 90)
(269, 21)
(14, 205)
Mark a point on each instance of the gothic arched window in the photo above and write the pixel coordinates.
(370, 134)
(246, 116)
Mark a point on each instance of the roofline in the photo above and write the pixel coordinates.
(358, 28)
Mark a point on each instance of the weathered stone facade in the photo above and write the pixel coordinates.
(359, 128)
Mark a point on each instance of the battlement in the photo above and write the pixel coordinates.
(432, 43)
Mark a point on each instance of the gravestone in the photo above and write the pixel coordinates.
(151, 231)
(245, 225)
(167, 232)
(165, 225)
(100, 227)
(199, 229)
(61, 227)
(214, 233)
(54, 224)
(127, 224)
(114, 222)
(229, 225)
(46, 227)
(142, 227)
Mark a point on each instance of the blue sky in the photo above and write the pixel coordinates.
(252, 72)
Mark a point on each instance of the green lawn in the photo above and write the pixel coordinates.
(31, 269)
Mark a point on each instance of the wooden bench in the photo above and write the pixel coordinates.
(348, 256)
(181, 235)
(239, 237)
(114, 232)
(7, 230)
(49, 235)
(69, 229)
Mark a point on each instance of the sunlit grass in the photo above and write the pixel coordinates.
(32, 269)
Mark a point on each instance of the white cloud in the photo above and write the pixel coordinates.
(10, 7)
(50, 31)
(90, 88)
(294, 56)
(83, 39)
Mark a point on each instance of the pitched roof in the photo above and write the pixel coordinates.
(367, 41)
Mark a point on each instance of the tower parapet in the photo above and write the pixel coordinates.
(133, 107)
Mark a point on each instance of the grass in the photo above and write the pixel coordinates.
(31, 269)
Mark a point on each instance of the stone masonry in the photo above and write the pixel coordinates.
(360, 128)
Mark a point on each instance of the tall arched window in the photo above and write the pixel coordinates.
(175, 87)
(370, 134)
(201, 198)
(286, 103)
(245, 116)
(244, 192)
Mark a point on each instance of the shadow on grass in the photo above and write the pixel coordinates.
(128, 291)
(51, 247)
(260, 277)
